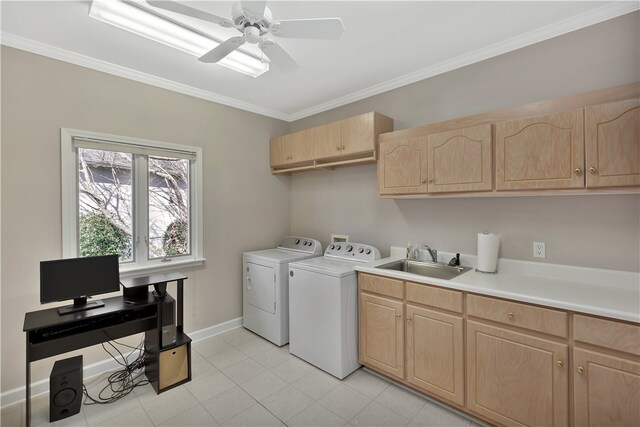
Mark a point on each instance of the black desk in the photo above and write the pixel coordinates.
(49, 333)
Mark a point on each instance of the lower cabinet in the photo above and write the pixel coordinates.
(606, 389)
(435, 358)
(516, 379)
(506, 362)
(382, 334)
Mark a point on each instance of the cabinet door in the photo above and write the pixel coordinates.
(402, 167)
(460, 160)
(358, 134)
(606, 390)
(612, 144)
(382, 334)
(516, 379)
(541, 152)
(435, 362)
(327, 140)
(297, 147)
(275, 151)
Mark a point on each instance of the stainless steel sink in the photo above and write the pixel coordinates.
(428, 269)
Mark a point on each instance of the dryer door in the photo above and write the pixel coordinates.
(261, 287)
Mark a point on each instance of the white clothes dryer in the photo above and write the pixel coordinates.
(323, 307)
(265, 286)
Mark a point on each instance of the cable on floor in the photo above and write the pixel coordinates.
(123, 381)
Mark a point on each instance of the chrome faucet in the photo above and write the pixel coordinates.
(432, 252)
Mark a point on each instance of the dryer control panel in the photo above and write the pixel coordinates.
(352, 251)
(302, 244)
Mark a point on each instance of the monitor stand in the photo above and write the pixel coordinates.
(80, 304)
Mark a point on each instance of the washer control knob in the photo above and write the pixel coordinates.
(297, 241)
(338, 247)
(332, 247)
(349, 248)
(368, 251)
(360, 250)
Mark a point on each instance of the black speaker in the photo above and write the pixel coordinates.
(65, 388)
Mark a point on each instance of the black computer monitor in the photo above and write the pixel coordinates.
(77, 279)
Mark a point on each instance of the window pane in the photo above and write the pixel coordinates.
(105, 203)
(169, 227)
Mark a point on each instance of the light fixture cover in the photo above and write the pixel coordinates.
(154, 27)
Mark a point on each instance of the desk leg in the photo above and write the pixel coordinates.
(28, 385)
(179, 303)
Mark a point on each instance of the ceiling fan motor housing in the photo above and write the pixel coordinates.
(243, 18)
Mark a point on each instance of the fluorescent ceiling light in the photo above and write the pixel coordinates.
(144, 23)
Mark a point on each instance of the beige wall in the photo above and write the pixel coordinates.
(245, 207)
(594, 231)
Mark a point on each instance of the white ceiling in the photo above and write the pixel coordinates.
(386, 44)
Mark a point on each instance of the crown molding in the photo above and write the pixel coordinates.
(556, 29)
(592, 17)
(32, 46)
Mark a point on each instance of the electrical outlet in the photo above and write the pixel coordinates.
(538, 250)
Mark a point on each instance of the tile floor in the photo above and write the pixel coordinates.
(240, 379)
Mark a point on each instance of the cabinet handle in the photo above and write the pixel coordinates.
(577, 171)
(408, 319)
(559, 363)
(430, 180)
(580, 370)
(593, 170)
(511, 316)
(338, 147)
(342, 147)
(423, 180)
(398, 316)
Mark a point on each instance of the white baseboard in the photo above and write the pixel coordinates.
(17, 395)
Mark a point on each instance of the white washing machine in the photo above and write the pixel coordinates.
(323, 307)
(265, 286)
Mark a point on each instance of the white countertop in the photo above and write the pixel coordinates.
(608, 293)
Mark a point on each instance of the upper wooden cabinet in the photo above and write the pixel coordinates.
(612, 144)
(579, 144)
(460, 160)
(327, 140)
(402, 167)
(348, 141)
(540, 153)
(291, 149)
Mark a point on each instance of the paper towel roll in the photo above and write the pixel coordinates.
(488, 245)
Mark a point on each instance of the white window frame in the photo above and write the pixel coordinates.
(140, 265)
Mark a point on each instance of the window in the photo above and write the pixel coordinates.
(135, 198)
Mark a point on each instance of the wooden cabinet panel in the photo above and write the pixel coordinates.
(606, 390)
(435, 360)
(275, 151)
(516, 379)
(607, 333)
(402, 167)
(327, 140)
(382, 334)
(357, 134)
(381, 285)
(541, 152)
(445, 299)
(460, 160)
(612, 144)
(297, 147)
(553, 322)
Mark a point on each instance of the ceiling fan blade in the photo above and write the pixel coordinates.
(182, 9)
(253, 8)
(321, 28)
(278, 56)
(223, 49)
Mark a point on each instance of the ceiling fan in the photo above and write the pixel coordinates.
(254, 20)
